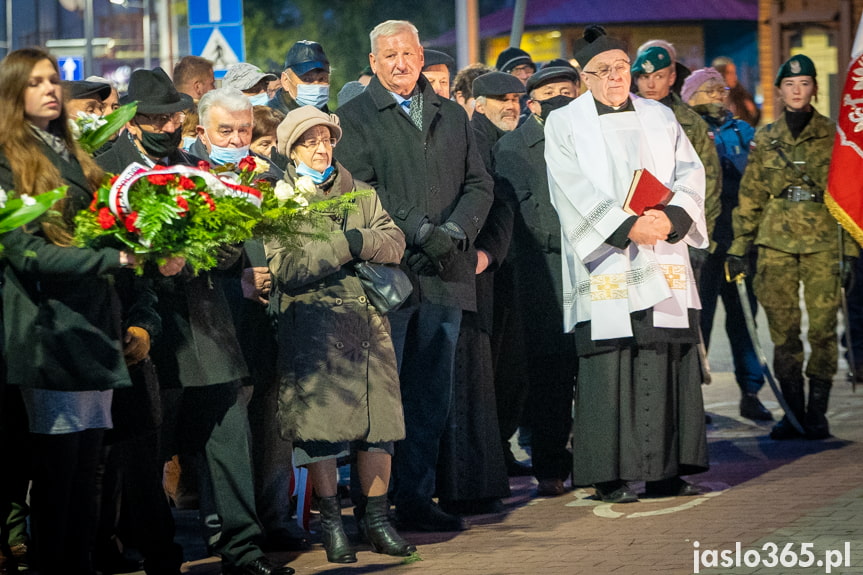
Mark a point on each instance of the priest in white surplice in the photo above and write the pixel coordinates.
(629, 291)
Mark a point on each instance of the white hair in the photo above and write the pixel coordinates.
(391, 28)
(231, 99)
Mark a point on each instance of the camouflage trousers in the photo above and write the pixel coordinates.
(777, 282)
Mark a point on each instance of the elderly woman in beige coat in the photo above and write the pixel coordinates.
(339, 377)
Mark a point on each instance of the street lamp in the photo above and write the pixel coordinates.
(145, 5)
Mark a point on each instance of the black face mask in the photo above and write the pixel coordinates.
(160, 145)
(548, 106)
(713, 110)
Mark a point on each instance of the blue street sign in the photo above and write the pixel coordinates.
(215, 12)
(222, 45)
(71, 68)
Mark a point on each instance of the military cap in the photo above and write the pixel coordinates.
(497, 84)
(82, 89)
(651, 60)
(549, 73)
(244, 76)
(305, 56)
(433, 58)
(798, 65)
(512, 57)
(596, 41)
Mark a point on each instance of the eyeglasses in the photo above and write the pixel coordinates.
(604, 72)
(313, 143)
(716, 92)
(159, 120)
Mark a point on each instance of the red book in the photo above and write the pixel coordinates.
(645, 193)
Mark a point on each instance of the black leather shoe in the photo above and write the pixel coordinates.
(752, 408)
(671, 487)
(550, 488)
(259, 566)
(428, 517)
(615, 492)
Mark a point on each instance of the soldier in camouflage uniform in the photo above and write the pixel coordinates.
(655, 74)
(782, 211)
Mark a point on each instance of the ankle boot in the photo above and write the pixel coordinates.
(816, 411)
(792, 391)
(333, 534)
(375, 526)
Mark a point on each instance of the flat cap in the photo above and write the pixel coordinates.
(552, 73)
(797, 65)
(243, 76)
(434, 57)
(497, 84)
(651, 60)
(81, 89)
(512, 57)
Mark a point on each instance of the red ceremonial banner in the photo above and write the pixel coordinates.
(844, 196)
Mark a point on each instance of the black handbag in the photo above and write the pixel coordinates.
(387, 287)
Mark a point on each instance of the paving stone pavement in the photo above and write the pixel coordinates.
(791, 498)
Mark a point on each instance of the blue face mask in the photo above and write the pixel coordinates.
(316, 95)
(316, 176)
(188, 141)
(259, 99)
(221, 156)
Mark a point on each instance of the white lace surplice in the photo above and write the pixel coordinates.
(591, 160)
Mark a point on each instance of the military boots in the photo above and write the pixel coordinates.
(792, 390)
(816, 411)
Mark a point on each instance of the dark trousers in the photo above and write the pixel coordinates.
(15, 478)
(62, 500)
(548, 412)
(271, 456)
(425, 339)
(214, 424)
(747, 366)
(134, 506)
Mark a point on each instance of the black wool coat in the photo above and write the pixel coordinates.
(61, 313)
(535, 253)
(433, 175)
(199, 345)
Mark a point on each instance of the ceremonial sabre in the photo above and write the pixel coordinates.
(743, 293)
(843, 298)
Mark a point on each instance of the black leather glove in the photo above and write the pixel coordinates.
(457, 234)
(227, 255)
(420, 264)
(846, 272)
(736, 265)
(355, 242)
(438, 246)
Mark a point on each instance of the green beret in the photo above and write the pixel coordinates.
(497, 84)
(653, 59)
(798, 65)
